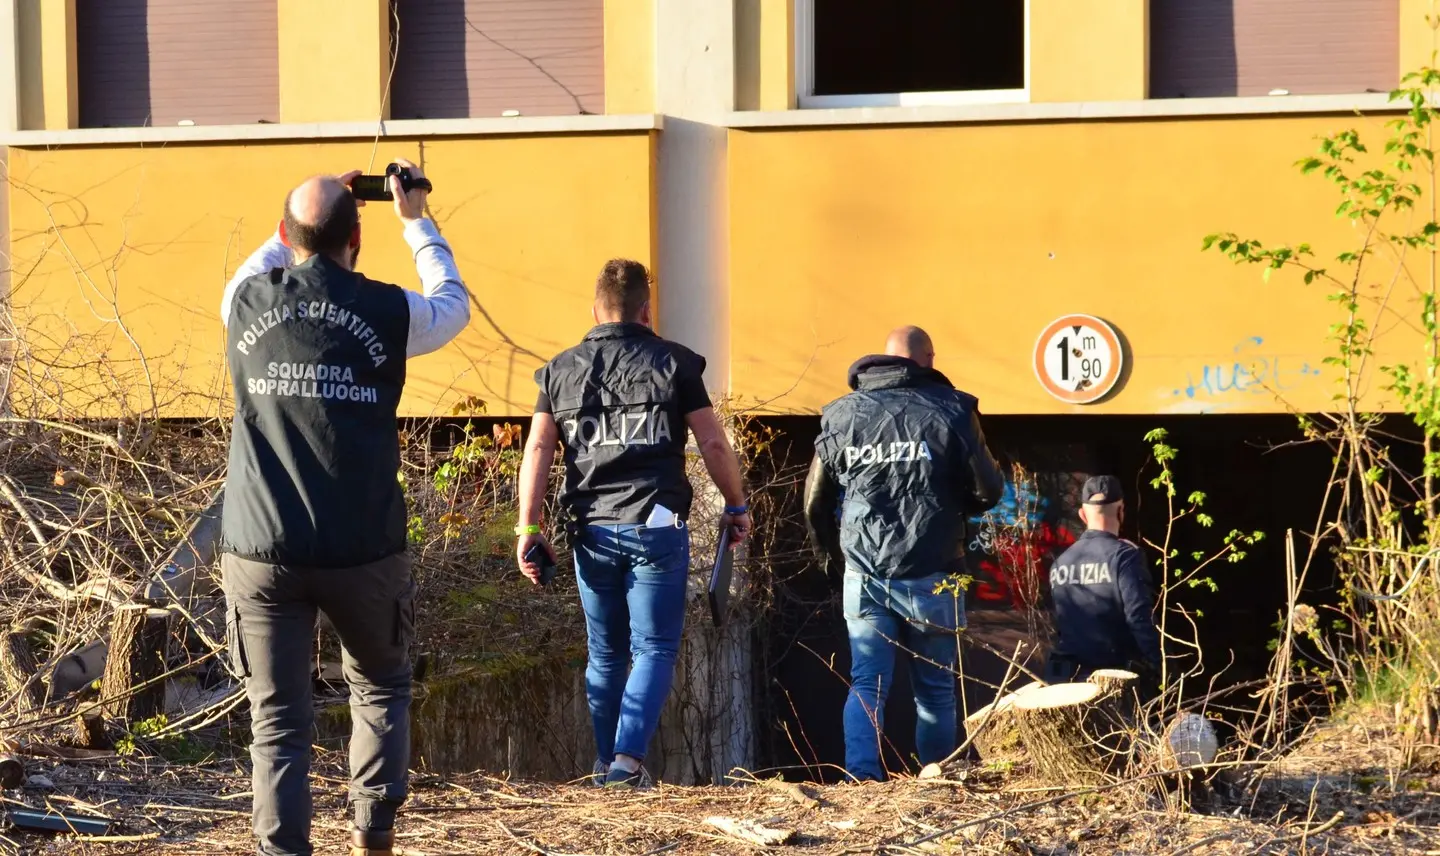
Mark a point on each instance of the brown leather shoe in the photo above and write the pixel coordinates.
(372, 842)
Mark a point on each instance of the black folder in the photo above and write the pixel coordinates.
(720, 576)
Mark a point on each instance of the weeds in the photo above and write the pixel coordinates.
(1379, 518)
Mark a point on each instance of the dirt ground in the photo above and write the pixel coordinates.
(1341, 792)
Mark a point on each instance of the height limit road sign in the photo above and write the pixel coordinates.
(1078, 359)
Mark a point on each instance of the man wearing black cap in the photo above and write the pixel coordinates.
(1102, 595)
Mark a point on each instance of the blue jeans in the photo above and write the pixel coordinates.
(882, 615)
(632, 588)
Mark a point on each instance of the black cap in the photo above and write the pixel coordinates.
(1101, 490)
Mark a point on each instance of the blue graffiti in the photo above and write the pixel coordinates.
(1249, 372)
(1019, 506)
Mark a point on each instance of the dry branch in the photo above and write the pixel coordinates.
(752, 831)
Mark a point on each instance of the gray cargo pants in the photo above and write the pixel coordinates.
(271, 612)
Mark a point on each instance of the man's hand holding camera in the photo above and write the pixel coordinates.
(409, 206)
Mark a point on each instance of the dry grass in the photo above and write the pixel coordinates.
(196, 809)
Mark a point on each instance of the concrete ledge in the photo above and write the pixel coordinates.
(1154, 108)
(335, 130)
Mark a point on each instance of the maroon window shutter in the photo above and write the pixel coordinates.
(464, 58)
(157, 62)
(1201, 48)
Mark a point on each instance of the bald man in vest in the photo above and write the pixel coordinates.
(314, 517)
(906, 449)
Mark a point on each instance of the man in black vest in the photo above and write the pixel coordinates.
(907, 450)
(1104, 604)
(314, 517)
(620, 402)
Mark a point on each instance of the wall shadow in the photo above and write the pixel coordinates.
(1192, 49)
(112, 45)
(430, 80)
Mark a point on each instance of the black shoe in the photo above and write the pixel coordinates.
(618, 779)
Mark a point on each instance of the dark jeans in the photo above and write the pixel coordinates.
(632, 587)
(882, 616)
(271, 624)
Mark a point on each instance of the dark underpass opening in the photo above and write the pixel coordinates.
(1255, 471)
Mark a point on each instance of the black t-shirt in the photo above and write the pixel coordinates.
(620, 398)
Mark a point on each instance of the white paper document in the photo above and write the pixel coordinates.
(660, 517)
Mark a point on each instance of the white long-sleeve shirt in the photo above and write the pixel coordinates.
(437, 313)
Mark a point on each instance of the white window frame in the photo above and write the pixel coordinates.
(805, 77)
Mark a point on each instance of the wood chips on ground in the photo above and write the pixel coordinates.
(1302, 808)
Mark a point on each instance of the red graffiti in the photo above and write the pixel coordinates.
(1016, 570)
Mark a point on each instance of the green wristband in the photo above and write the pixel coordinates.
(532, 529)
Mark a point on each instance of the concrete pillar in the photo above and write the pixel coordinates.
(334, 60)
(49, 92)
(695, 90)
(1089, 50)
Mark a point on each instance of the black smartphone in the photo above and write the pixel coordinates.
(376, 188)
(538, 555)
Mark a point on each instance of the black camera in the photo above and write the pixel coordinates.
(376, 188)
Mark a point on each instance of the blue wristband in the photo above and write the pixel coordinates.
(736, 510)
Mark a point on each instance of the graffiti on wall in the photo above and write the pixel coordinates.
(1010, 548)
(1249, 369)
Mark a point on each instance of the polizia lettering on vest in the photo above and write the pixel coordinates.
(898, 452)
(315, 310)
(625, 428)
(1081, 574)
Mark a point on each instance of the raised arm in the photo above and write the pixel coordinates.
(271, 254)
(441, 309)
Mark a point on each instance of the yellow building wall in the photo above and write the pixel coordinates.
(1418, 41)
(1089, 50)
(340, 77)
(630, 56)
(985, 233)
(122, 253)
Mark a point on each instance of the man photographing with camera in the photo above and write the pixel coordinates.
(314, 517)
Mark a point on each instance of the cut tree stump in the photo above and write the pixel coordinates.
(991, 729)
(1119, 687)
(1112, 681)
(131, 688)
(17, 675)
(1069, 732)
(84, 730)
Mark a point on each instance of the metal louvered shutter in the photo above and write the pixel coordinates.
(462, 58)
(157, 62)
(1201, 48)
